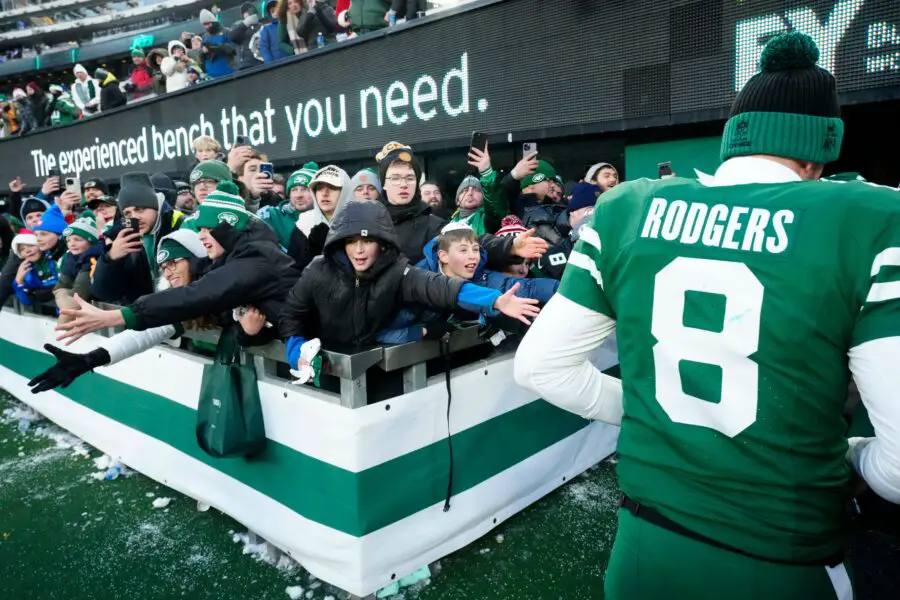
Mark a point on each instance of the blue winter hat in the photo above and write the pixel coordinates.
(583, 196)
(52, 220)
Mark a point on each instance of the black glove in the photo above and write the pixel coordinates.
(226, 235)
(69, 366)
(317, 236)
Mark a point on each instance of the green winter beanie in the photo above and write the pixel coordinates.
(137, 52)
(789, 109)
(85, 227)
(301, 177)
(215, 170)
(544, 171)
(182, 243)
(223, 206)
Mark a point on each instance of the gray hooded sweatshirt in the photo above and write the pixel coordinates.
(313, 217)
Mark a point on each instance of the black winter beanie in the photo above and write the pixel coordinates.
(400, 155)
(789, 109)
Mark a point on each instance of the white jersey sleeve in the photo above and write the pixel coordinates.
(554, 360)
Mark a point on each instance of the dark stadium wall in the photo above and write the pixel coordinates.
(432, 83)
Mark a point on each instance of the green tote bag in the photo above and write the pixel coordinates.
(229, 415)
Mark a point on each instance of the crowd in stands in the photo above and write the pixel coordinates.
(379, 263)
(269, 32)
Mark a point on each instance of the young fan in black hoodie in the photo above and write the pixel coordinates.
(358, 285)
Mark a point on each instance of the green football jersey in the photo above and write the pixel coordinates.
(735, 308)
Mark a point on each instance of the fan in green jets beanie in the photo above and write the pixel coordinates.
(84, 227)
(543, 172)
(301, 177)
(789, 109)
(223, 206)
(283, 218)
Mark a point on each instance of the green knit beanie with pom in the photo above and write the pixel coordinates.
(85, 227)
(224, 205)
(789, 109)
(301, 177)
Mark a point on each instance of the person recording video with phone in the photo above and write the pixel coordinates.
(128, 269)
(256, 181)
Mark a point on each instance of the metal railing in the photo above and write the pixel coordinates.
(351, 370)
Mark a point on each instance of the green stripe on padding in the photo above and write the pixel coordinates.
(354, 503)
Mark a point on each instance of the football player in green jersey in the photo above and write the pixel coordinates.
(741, 305)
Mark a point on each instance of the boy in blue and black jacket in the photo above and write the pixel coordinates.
(38, 271)
(456, 253)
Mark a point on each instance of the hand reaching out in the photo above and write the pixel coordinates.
(517, 308)
(16, 185)
(529, 247)
(69, 366)
(86, 319)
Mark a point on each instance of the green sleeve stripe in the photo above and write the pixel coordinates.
(579, 286)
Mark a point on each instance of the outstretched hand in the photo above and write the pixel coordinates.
(529, 247)
(69, 366)
(517, 308)
(86, 318)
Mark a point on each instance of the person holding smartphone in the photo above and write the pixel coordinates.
(256, 182)
(127, 269)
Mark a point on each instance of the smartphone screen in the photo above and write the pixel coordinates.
(268, 169)
(529, 148)
(665, 169)
(479, 140)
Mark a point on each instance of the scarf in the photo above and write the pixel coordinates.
(400, 213)
(293, 24)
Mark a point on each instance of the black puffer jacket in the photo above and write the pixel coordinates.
(346, 311)
(132, 276)
(253, 272)
(550, 220)
(414, 225)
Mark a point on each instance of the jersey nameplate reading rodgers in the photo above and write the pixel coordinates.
(735, 308)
